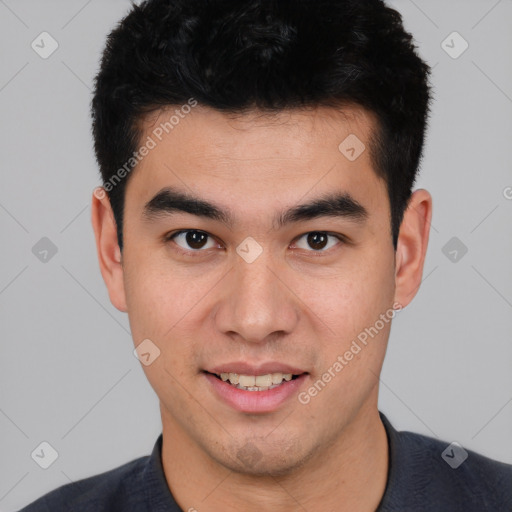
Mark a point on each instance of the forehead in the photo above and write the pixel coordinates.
(258, 158)
(220, 134)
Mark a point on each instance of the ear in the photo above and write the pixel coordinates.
(109, 253)
(412, 246)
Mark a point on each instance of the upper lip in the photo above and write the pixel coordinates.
(244, 368)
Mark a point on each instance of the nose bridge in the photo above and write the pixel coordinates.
(258, 304)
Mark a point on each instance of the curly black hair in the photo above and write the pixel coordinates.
(241, 55)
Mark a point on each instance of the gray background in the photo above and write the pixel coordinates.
(68, 374)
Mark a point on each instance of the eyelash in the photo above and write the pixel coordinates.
(196, 252)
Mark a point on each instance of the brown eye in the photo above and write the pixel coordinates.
(318, 241)
(191, 239)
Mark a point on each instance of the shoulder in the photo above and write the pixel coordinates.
(438, 475)
(117, 489)
(473, 476)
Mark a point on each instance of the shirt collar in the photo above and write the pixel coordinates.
(408, 470)
(159, 497)
(161, 500)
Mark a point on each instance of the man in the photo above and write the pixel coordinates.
(258, 225)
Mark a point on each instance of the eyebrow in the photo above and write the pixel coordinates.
(170, 200)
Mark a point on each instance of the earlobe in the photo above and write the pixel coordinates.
(412, 246)
(107, 247)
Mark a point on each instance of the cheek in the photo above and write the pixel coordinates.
(352, 299)
(152, 299)
(165, 302)
(349, 307)
(353, 337)
(159, 304)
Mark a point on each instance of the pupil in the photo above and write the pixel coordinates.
(195, 239)
(317, 240)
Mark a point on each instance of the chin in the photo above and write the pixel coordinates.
(258, 457)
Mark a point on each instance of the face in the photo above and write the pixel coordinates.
(247, 283)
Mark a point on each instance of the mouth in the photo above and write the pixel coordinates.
(255, 389)
(256, 383)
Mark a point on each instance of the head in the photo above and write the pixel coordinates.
(286, 137)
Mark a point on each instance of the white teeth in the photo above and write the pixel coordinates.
(264, 381)
(256, 382)
(247, 381)
(277, 378)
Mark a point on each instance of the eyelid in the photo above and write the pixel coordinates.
(341, 238)
(170, 237)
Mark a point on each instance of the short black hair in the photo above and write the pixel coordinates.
(270, 55)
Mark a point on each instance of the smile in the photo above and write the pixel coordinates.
(256, 382)
(261, 393)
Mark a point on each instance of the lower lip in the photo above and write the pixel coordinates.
(255, 401)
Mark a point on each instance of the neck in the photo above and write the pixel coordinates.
(349, 475)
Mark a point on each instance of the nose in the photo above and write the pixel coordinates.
(257, 304)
